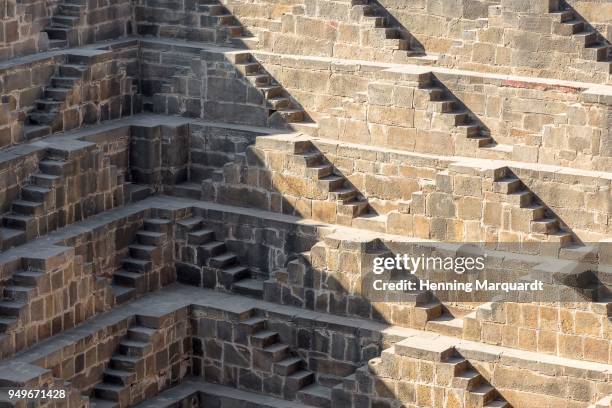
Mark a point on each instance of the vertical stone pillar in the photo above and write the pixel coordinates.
(145, 155)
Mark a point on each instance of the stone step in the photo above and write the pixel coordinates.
(43, 118)
(48, 105)
(64, 81)
(141, 333)
(497, 403)
(212, 249)
(140, 251)
(253, 325)
(232, 273)
(191, 224)
(137, 265)
(32, 132)
(447, 325)
(130, 279)
(249, 287)
(315, 395)
(482, 395)
(123, 362)
(27, 278)
(58, 34)
(36, 193)
(595, 52)
(522, 198)
(248, 68)
(278, 102)
(27, 207)
(136, 192)
(264, 338)
(150, 238)
(111, 392)
(57, 94)
(132, 348)
(343, 195)
(319, 171)
(8, 324)
(20, 293)
(73, 70)
(17, 221)
(507, 185)
(223, 260)
(439, 350)
(118, 377)
(467, 380)
(544, 226)
(55, 167)
(65, 21)
(122, 293)
(157, 225)
(259, 79)
(288, 366)
(68, 9)
(200, 237)
(586, 38)
(331, 183)
(11, 308)
(271, 91)
(353, 208)
(297, 381)
(276, 352)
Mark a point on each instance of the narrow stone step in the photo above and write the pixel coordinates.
(32, 132)
(157, 225)
(223, 260)
(253, 325)
(140, 251)
(110, 392)
(249, 287)
(137, 265)
(141, 333)
(130, 279)
(264, 338)
(447, 325)
(118, 377)
(200, 237)
(123, 293)
(212, 249)
(150, 238)
(545, 226)
(46, 180)
(28, 278)
(27, 207)
(11, 308)
(315, 395)
(20, 293)
(8, 323)
(132, 348)
(288, 366)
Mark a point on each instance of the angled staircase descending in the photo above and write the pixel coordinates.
(281, 109)
(593, 47)
(46, 117)
(380, 30)
(62, 31)
(125, 367)
(215, 14)
(448, 114)
(143, 255)
(542, 222)
(29, 214)
(23, 286)
(271, 355)
(222, 268)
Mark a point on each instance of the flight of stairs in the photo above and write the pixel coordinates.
(62, 31)
(282, 111)
(22, 287)
(542, 222)
(270, 354)
(229, 274)
(28, 216)
(215, 14)
(447, 114)
(121, 373)
(380, 32)
(593, 48)
(46, 117)
(144, 253)
(479, 393)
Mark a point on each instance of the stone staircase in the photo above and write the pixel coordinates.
(21, 288)
(125, 367)
(30, 214)
(380, 30)
(62, 32)
(145, 252)
(46, 117)
(541, 222)
(282, 110)
(566, 22)
(215, 14)
(222, 268)
(270, 354)
(448, 114)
